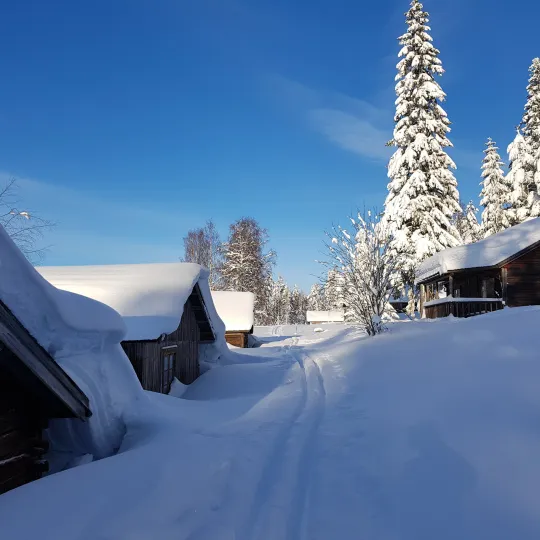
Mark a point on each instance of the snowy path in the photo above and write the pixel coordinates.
(322, 436)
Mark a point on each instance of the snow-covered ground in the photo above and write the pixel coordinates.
(431, 431)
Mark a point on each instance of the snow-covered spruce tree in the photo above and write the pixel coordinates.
(524, 154)
(299, 306)
(246, 265)
(467, 224)
(333, 289)
(316, 298)
(495, 194)
(279, 305)
(423, 195)
(368, 266)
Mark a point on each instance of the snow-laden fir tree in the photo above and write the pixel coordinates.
(467, 224)
(334, 290)
(423, 195)
(495, 194)
(299, 306)
(317, 299)
(246, 265)
(524, 154)
(279, 306)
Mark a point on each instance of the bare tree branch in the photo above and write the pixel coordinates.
(24, 227)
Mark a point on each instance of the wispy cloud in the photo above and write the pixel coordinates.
(351, 132)
(352, 124)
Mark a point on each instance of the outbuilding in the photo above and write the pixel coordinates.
(325, 317)
(237, 311)
(167, 309)
(34, 389)
(501, 270)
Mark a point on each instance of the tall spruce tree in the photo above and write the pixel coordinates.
(423, 195)
(246, 265)
(495, 194)
(524, 154)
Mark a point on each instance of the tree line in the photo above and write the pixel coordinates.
(243, 263)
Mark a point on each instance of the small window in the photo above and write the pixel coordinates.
(169, 361)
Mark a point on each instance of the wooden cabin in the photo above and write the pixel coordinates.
(237, 311)
(33, 390)
(167, 310)
(325, 317)
(176, 354)
(501, 270)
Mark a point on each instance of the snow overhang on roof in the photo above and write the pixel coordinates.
(492, 251)
(235, 309)
(150, 297)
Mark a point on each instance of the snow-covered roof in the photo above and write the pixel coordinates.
(150, 297)
(489, 252)
(56, 319)
(236, 309)
(325, 316)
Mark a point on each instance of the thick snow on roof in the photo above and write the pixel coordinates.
(488, 252)
(83, 336)
(150, 297)
(325, 316)
(53, 317)
(236, 309)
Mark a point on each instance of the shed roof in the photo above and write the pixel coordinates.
(492, 251)
(150, 297)
(236, 309)
(325, 316)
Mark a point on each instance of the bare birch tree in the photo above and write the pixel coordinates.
(369, 269)
(246, 264)
(203, 246)
(24, 227)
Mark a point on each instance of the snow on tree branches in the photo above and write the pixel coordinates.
(368, 267)
(495, 194)
(467, 224)
(423, 195)
(524, 154)
(246, 265)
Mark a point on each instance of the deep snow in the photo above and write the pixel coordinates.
(430, 431)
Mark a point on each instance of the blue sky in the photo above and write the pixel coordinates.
(130, 121)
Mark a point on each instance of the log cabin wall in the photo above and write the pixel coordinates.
(151, 359)
(523, 280)
(22, 445)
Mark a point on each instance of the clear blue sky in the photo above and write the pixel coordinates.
(131, 121)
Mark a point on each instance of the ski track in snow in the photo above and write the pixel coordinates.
(280, 499)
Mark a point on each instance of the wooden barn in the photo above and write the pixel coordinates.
(236, 310)
(167, 309)
(33, 390)
(325, 317)
(501, 270)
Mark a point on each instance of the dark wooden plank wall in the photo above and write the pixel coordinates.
(147, 356)
(462, 309)
(523, 287)
(22, 445)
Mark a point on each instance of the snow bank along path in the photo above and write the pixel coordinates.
(429, 431)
